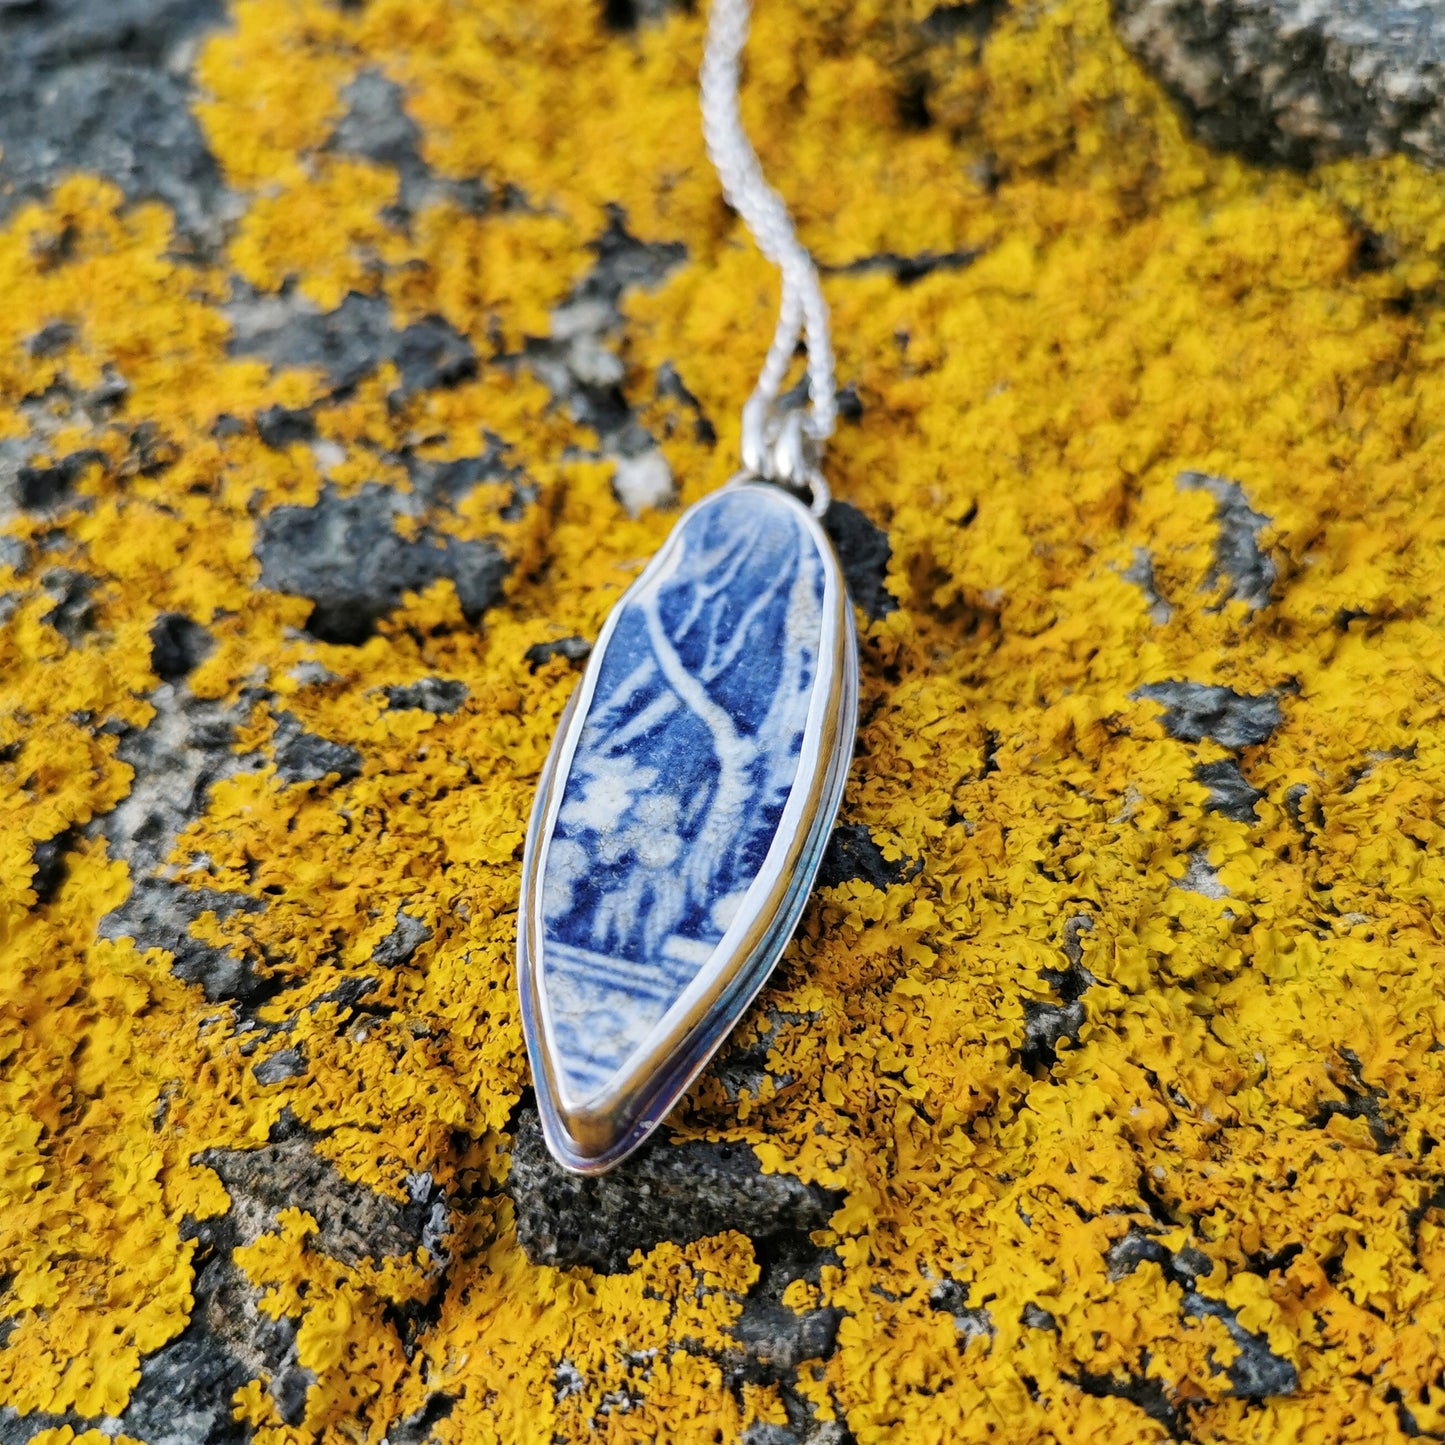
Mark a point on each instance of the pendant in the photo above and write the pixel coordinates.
(682, 814)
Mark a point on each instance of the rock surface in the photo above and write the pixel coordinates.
(679, 1193)
(1296, 81)
(1095, 1097)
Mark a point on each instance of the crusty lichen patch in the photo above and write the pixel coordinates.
(1135, 1105)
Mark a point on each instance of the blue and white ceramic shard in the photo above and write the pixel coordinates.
(682, 815)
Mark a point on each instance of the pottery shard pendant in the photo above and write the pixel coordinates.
(682, 815)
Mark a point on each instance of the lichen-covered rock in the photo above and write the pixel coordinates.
(1297, 81)
(1096, 1097)
(681, 1194)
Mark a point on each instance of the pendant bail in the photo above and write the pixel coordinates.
(783, 449)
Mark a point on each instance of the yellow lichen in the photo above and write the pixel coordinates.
(1137, 307)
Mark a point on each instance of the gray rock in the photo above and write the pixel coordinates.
(355, 1224)
(407, 935)
(1256, 1372)
(302, 757)
(1239, 560)
(347, 343)
(50, 866)
(176, 760)
(677, 1192)
(863, 553)
(346, 556)
(72, 613)
(129, 122)
(643, 481)
(185, 1394)
(1141, 573)
(741, 1068)
(280, 426)
(430, 694)
(432, 352)
(377, 126)
(287, 1064)
(39, 35)
(449, 482)
(852, 854)
(97, 85)
(1230, 793)
(159, 913)
(1299, 81)
(1201, 877)
(574, 649)
(1194, 711)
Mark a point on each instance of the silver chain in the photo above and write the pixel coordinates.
(784, 448)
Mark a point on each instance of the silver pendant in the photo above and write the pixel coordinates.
(682, 814)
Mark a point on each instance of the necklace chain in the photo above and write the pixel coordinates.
(779, 447)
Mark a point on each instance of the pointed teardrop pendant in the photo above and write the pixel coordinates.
(682, 815)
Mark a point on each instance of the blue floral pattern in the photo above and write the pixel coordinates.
(686, 758)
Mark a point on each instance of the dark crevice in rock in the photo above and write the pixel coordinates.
(852, 854)
(178, 645)
(863, 553)
(1149, 1395)
(1047, 1025)
(973, 19)
(40, 488)
(1360, 1101)
(666, 1191)
(1239, 560)
(280, 426)
(670, 384)
(1194, 711)
(1230, 792)
(416, 1428)
(72, 614)
(50, 865)
(345, 555)
(574, 649)
(905, 269)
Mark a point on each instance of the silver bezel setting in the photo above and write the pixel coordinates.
(590, 1135)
